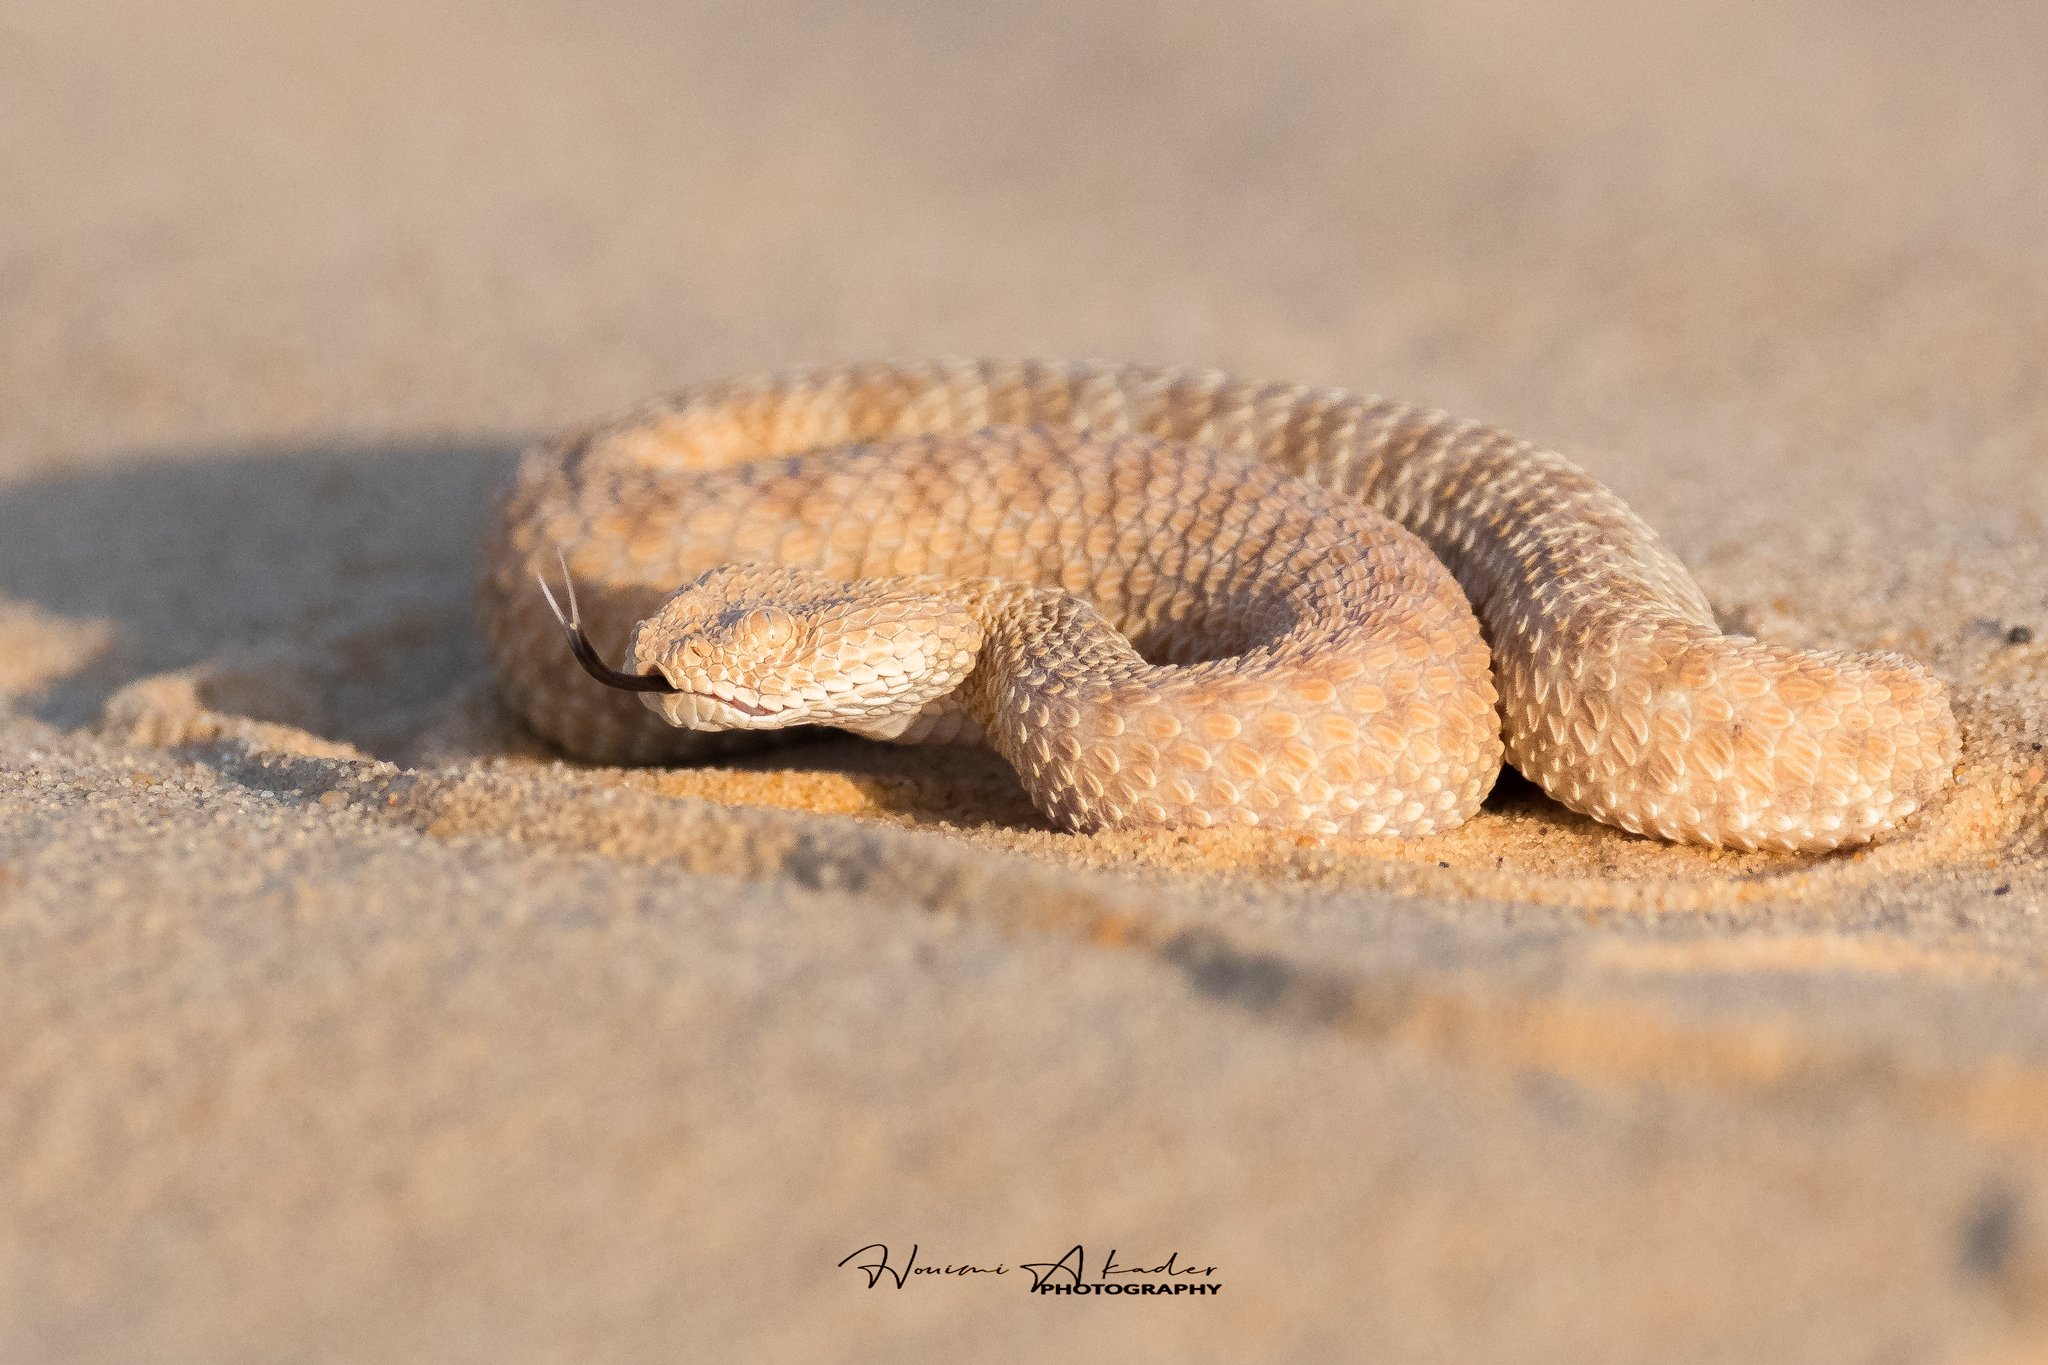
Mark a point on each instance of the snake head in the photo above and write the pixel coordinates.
(763, 647)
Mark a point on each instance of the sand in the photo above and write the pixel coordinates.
(339, 1022)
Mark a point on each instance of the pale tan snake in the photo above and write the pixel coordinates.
(1167, 598)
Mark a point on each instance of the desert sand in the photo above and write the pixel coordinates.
(340, 1022)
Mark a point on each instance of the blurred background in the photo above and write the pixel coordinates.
(1659, 226)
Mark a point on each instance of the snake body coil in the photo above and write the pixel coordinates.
(1107, 572)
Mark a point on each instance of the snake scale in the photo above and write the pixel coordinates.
(1175, 598)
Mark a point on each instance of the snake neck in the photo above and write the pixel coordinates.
(1037, 645)
(1047, 678)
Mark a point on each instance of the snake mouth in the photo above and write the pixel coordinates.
(744, 708)
(593, 663)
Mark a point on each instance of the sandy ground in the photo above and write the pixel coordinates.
(338, 1023)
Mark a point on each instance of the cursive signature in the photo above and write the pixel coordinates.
(879, 1266)
(1074, 1268)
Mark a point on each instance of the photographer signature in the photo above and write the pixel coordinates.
(1070, 1269)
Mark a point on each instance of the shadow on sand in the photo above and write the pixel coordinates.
(190, 556)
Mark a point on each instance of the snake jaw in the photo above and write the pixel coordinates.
(744, 708)
(685, 709)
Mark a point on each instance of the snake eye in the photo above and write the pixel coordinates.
(770, 625)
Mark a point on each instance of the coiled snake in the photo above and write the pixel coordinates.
(1175, 598)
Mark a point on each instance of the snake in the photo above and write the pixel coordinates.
(1172, 598)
